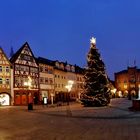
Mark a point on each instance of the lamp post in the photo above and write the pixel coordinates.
(68, 87)
(52, 96)
(28, 84)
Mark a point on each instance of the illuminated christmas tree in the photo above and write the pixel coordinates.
(96, 85)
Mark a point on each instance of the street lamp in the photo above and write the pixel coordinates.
(69, 87)
(28, 84)
(113, 91)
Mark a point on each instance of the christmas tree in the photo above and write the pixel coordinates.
(96, 87)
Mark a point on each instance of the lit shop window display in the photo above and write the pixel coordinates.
(4, 99)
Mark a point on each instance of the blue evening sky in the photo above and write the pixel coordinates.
(61, 29)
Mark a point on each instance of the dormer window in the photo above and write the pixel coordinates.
(62, 66)
(68, 67)
(57, 64)
(72, 68)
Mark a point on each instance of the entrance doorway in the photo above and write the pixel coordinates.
(4, 99)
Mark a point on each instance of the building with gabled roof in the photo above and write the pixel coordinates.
(6, 96)
(26, 76)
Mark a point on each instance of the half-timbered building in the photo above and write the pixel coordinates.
(25, 76)
(5, 79)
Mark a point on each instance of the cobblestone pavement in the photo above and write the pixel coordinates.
(73, 122)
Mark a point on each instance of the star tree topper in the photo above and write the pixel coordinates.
(93, 40)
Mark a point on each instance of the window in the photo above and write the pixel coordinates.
(17, 67)
(72, 68)
(50, 71)
(125, 81)
(7, 81)
(46, 80)
(51, 80)
(77, 78)
(46, 69)
(7, 69)
(41, 68)
(22, 68)
(68, 67)
(0, 80)
(34, 70)
(62, 66)
(0, 68)
(41, 80)
(57, 64)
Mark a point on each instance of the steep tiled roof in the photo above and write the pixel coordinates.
(122, 72)
(45, 61)
(79, 70)
(5, 55)
(15, 56)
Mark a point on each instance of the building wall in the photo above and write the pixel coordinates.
(128, 82)
(25, 77)
(79, 85)
(60, 79)
(5, 79)
(46, 80)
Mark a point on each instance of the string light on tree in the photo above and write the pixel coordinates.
(96, 86)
